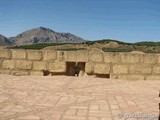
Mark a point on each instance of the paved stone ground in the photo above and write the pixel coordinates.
(73, 98)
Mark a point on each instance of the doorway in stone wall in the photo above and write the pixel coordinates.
(70, 68)
(81, 66)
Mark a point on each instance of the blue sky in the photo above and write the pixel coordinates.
(125, 20)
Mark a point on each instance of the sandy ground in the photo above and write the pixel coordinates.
(76, 98)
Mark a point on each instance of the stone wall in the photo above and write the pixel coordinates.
(129, 66)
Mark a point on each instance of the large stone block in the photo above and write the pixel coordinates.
(61, 55)
(19, 54)
(131, 77)
(79, 56)
(158, 58)
(34, 54)
(102, 69)
(39, 65)
(114, 76)
(4, 71)
(20, 73)
(8, 64)
(37, 73)
(112, 57)
(130, 58)
(82, 56)
(149, 58)
(156, 69)
(49, 55)
(1, 61)
(24, 64)
(153, 77)
(57, 67)
(71, 56)
(140, 69)
(118, 69)
(96, 56)
(4, 53)
(89, 68)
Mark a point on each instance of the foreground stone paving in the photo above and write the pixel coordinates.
(76, 98)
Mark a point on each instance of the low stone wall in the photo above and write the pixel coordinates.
(130, 66)
(30, 62)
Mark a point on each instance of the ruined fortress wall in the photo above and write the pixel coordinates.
(129, 66)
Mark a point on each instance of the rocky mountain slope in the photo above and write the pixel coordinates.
(4, 40)
(44, 35)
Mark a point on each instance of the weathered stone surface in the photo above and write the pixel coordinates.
(114, 76)
(4, 71)
(39, 65)
(130, 58)
(29, 117)
(79, 56)
(1, 61)
(153, 77)
(74, 98)
(36, 73)
(20, 54)
(57, 67)
(118, 69)
(102, 69)
(156, 69)
(82, 56)
(81, 73)
(140, 68)
(158, 58)
(96, 56)
(34, 55)
(148, 58)
(23, 64)
(49, 55)
(89, 68)
(61, 55)
(8, 64)
(20, 73)
(112, 57)
(5, 53)
(71, 56)
(131, 77)
(118, 65)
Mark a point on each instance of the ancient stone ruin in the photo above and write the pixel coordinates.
(129, 66)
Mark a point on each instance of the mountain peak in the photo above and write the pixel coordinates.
(4, 40)
(42, 29)
(45, 35)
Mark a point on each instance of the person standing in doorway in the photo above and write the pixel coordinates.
(76, 69)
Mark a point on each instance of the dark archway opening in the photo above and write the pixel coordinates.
(72, 68)
(81, 66)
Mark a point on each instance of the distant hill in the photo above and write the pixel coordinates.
(4, 40)
(106, 45)
(44, 35)
(41, 37)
